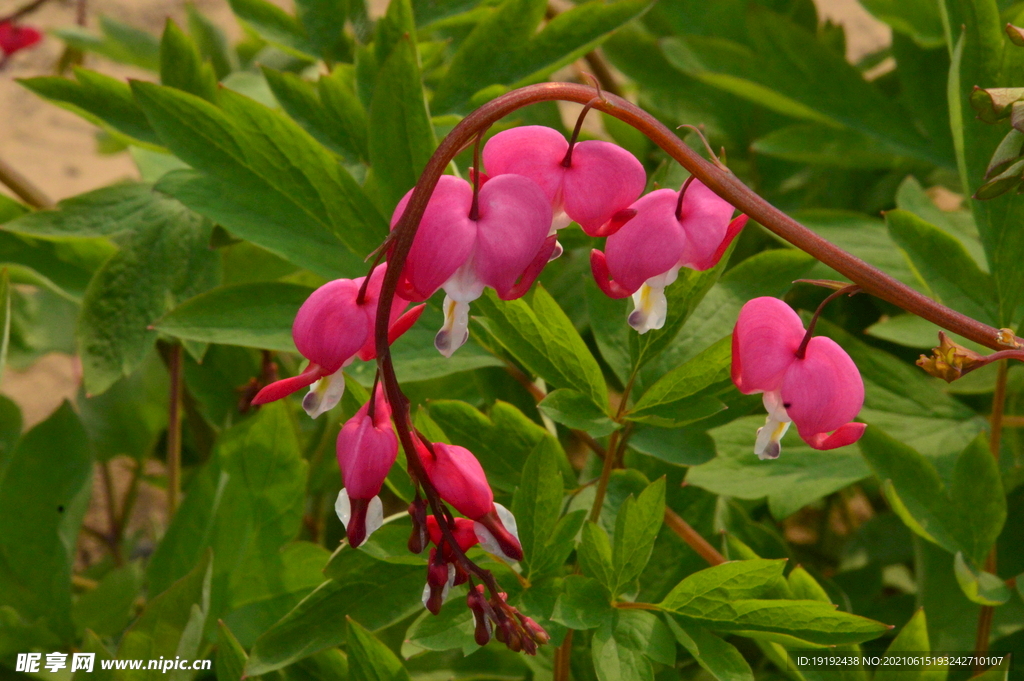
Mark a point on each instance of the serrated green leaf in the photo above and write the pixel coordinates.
(256, 315)
(263, 178)
(119, 42)
(526, 55)
(542, 337)
(676, 395)
(742, 579)
(45, 484)
(182, 66)
(537, 503)
(945, 265)
(275, 26)
(583, 604)
(636, 527)
(212, 42)
(719, 658)
(576, 410)
(595, 555)
(626, 643)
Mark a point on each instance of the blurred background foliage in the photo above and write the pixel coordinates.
(269, 166)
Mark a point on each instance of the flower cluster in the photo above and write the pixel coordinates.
(14, 37)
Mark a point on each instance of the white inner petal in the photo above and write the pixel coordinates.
(343, 507)
(455, 331)
(325, 393)
(487, 541)
(650, 304)
(374, 516)
(768, 444)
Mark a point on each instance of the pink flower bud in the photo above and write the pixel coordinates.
(477, 602)
(819, 392)
(440, 578)
(689, 228)
(331, 329)
(464, 533)
(504, 247)
(601, 179)
(367, 448)
(14, 37)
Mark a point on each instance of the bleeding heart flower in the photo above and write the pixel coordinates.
(331, 329)
(502, 243)
(14, 37)
(367, 448)
(689, 228)
(460, 480)
(590, 185)
(814, 385)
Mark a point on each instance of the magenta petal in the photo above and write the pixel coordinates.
(329, 327)
(647, 245)
(367, 448)
(604, 179)
(705, 218)
(608, 286)
(844, 435)
(459, 479)
(533, 151)
(445, 237)
(286, 386)
(764, 344)
(822, 391)
(515, 218)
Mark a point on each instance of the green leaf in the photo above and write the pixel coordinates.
(965, 515)
(918, 19)
(911, 196)
(526, 55)
(324, 22)
(362, 587)
(256, 315)
(502, 440)
(10, 429)
(122, 207)
(736, 580)
(788, 70)
(276, 26)
(263, 178)
(369, 659)
(401, 136)
(673, 397)
(119, 42)
(826, 145)
(100, 99)
(107, 608)
(231, 657)
(719, 658)
(799, 477)
(636, 527)
(452, 629)
(45, 484)
(583, 604)
(5, 317)
(245, 504)
(595, 556)
(981, 54)
(328, 109)
(945, 265)
(212, 42)
(542, 337)
(537, 505)
(983, 588)
(677, 446)
(182, 66)
(626, 643)
(172, 623)
(575, 410)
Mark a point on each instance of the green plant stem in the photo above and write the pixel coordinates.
(174, 429)
(606, 474)
(112, 515)
(22, 187)
(626, 605)
(984, 632)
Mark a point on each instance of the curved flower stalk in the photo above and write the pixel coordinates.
(811, 382)
(587, 182)
(367, 448)
(468, 240)
(331, 329)
(689, 228)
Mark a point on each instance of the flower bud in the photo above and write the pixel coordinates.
(440, 576)
(477, 602)
(14, 37)
(419, 537)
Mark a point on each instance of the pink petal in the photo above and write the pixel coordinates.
(844, 435)
(608, 286)
(366, 449)
(369, 350)
(647, 245)
(445, 237)
(764, 344)
(464, 534)
(329, 327)
(822, 391)
(533, 151)
(14, 37)
(515, 218)
(604, 179)
(459, 479)
(286, 386)
(705, 218)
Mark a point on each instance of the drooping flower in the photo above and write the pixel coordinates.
(502, 243)
(460, 480)
(14, 37)
(816, 386)
(331, 329)
(443, 569)
(689, 228)
(367, 448)
(592, 186)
